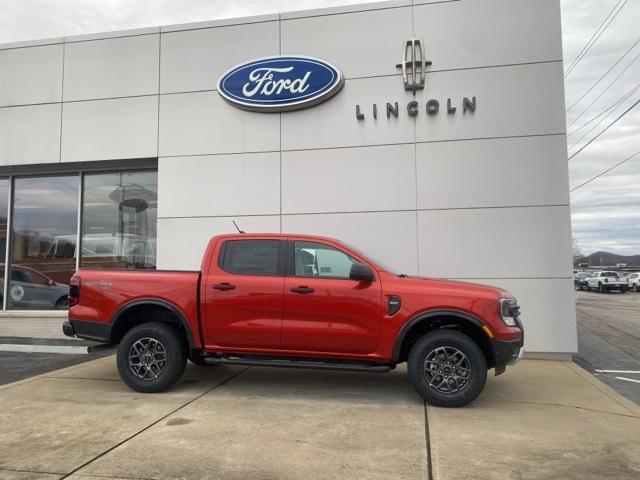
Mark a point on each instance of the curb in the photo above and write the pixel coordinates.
(22, 348)
(60, 349)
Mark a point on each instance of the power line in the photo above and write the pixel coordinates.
(604, 130)
(590, 130)
(605, 89)
(604, 172)
(607, 110)
(604, 75)
(593, 40)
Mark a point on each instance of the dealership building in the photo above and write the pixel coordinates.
(429, 134)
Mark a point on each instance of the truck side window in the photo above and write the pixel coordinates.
(318, 260)
(250, 257)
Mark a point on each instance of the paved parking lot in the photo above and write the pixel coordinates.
(16, 365)
(609, 339)
(541, 420)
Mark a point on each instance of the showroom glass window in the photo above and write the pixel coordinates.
(119, 218)
(4, 201)
(43, 243)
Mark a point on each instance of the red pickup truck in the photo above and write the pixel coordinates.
(297, 301)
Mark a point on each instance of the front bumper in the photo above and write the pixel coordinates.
(506, 353)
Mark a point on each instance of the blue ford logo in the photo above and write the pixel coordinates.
(276, 84)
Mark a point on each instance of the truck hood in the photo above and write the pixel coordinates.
(453, 287)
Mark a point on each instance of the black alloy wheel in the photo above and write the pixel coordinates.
(151, 357)
(447, 368)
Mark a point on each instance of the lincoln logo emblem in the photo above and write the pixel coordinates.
(414, 70)
(413, 65)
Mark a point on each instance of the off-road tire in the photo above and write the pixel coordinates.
(173, 366)
(457, 340)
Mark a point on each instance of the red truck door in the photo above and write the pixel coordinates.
(244, 294)
(324, 310)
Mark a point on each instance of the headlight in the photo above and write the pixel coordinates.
(509, 311)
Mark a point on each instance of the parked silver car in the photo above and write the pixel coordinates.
(30, 289)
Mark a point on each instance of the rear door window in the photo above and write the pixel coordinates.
(252, 257)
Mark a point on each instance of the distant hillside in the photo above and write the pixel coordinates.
(607, 258)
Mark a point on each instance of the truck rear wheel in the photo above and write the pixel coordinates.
(447, 368)
(150, 357)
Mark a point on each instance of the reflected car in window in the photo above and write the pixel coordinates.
(580, 280)
(102, 250)
(124, 250)
(30, 289)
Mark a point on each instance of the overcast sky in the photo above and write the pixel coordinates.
(605, 213)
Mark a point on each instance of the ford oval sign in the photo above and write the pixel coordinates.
(277, 84)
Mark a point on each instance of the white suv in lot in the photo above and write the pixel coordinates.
(606, 281)
(633, 280)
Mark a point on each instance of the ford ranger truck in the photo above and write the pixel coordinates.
(297, 301)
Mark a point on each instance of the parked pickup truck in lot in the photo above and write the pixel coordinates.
(297, 301)
(633, 280)
(607, 281)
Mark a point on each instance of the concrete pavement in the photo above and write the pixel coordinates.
(542, 419)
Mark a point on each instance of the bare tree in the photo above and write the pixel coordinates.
(576, 251)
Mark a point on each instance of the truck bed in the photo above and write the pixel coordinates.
(104, 292)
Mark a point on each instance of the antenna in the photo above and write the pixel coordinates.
(236, 225)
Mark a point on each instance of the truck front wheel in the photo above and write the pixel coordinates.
(150, 357)
(447, 368)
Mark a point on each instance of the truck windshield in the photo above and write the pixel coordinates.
(609, 274)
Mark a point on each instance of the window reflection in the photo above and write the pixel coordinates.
(119, 220)
(44, 229)
(4, 200)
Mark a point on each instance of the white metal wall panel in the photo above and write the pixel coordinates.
(31, 75)
(499, 172)
(360, 43)
(110, 129)
(193, 60)
(527, 242)
(474, 33)
(30, 134)
(242, 184)
(518, 100)
(203, 123)
(334, 124)
(349, 179)
(114, 67)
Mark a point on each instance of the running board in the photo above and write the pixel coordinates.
(298, 363)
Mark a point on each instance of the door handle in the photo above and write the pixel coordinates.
(302, 289)
(223, 286)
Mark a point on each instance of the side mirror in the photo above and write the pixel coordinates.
(51, 282)
(361, 272)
